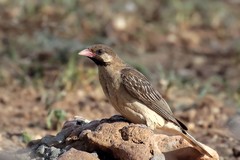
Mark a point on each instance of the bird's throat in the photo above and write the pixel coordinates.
(99, 61)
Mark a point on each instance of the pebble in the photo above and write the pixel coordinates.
(236, 151)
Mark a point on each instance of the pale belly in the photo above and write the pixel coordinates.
(135, 111)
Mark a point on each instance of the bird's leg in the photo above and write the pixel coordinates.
(140, 125)
(150, 124)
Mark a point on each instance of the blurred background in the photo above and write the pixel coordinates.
(189, 49)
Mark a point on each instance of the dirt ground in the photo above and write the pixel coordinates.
(189, 51)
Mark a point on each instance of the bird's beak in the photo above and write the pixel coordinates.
(87, 53)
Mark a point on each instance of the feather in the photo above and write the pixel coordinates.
(140, 88)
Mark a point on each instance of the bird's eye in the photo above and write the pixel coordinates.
(99, 51)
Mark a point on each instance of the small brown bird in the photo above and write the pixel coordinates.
(132, 95)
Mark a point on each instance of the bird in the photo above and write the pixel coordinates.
(133, 96)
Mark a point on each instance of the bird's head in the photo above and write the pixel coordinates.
(101, 54)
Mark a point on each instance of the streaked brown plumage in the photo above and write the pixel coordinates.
(132, 95)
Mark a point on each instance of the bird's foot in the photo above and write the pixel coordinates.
(139, 125)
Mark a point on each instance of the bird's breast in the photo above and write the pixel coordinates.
(110, 82)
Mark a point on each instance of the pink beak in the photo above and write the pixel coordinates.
(87, 52)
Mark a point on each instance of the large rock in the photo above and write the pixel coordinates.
(74, 154)
(115, 138)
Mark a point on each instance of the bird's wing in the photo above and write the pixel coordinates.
(140, 88)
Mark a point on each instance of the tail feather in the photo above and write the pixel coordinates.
(195, 143)
(174, 129)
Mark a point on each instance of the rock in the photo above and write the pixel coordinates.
(115, 138)
(47, 152)
(236, 151)
(175, 147)
(74, 154)
(124, 142)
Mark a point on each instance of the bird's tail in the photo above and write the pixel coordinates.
(195, 143)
